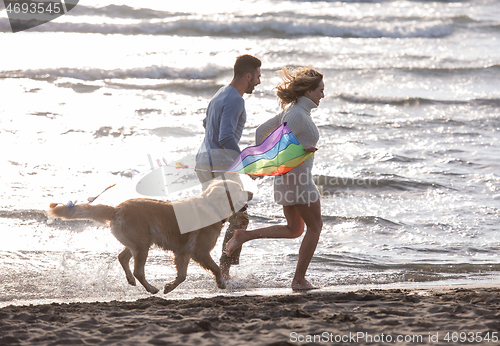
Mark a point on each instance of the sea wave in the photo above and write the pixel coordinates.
(377, 1)
(393, 182)
(363, 220)
(453, 67)
(414, 101)
(212, 71)
(208, 71)
(30, 215)
(410, 268)
(128, 12)
(276, 26)
(123, 11)
(27, 214)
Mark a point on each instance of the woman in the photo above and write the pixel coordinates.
(301, 90)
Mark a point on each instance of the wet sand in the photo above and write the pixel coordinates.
(405, 316)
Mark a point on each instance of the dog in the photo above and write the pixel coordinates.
(142, 222)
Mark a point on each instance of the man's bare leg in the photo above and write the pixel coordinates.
(224, 268)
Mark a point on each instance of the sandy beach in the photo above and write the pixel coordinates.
(447, 315)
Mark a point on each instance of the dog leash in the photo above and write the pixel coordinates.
(72, 204)
(92, 199)
(225, 184)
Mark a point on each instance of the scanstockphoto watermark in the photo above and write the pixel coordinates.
(338, 182)
(177, 177)
(381, 338)
(344, 193)
(223, 196)
(27, 14)
(358, 337)
(346, 181)
(294, 187)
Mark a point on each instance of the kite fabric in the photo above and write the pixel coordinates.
(276, 155)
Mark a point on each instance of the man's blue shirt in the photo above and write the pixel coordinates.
(223, 125)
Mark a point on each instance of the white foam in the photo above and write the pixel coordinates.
(267, 27)
(208, 71)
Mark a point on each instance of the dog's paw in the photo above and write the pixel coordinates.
(131, 282)
(221, 283)
(153, 290)
(168, 288)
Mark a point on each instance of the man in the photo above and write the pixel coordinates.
(224, 123)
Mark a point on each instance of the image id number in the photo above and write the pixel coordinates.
(471, 337)
(39, 8)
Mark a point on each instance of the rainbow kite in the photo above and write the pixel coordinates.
(276, 155)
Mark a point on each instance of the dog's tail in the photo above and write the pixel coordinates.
(100, 212)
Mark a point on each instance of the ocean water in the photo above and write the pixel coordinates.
(408, 159)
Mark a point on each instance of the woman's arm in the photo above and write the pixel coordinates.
(266, 128)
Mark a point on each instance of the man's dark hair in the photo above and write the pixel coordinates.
(245, 64)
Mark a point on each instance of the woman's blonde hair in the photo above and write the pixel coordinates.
(295, 84)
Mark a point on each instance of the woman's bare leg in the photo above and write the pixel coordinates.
(311, 214)
(296, 216)
(293, 229)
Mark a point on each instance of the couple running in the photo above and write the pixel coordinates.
(300, 92)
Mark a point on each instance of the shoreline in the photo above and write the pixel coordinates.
(436, 285)
(432, 313)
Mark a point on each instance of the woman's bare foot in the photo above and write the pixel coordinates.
(302, 285)
(236, 241)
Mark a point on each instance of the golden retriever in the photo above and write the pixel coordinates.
(141, 223)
